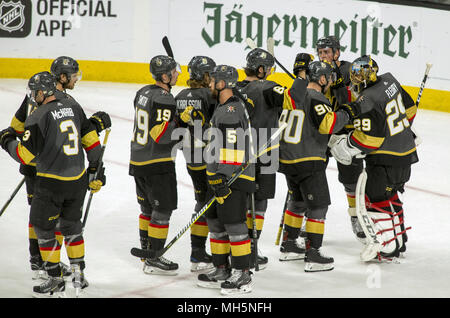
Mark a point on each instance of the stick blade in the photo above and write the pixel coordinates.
(138, 252)
(271, 46)
(167, 47)
(251, 44)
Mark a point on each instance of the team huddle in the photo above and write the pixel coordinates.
(235, 137)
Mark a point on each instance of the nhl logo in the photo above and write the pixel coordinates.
(12, 17)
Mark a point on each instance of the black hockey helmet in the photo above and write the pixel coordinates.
(363, 71)
(318, 68)
(199, 65)
(328, 41)
(259, 57)
(302, 61)
(43, 81)
(65, 65)
(163, 64)
(226, 73)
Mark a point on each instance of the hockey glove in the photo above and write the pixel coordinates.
(338, 79)
(101, 121)
(219, 185)
(343, 151)
(352, 109)
(7, 135)
(190, 114)
(96, 181)
(302, 61)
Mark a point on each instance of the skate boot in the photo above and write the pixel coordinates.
(79, 281)
(160, 266)
(215, 277)
(66, 271)
(292, 250)
(357, 229)
(316, 262)
(239, 282)
(262, 260)
(52, 287)
(37, 268)
(200, 260)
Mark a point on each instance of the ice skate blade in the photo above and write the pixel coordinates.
(149, 270)
(50, 295)
(210, 285)
(198, 267)
(316, 267)
(284, 257)
(236, 291)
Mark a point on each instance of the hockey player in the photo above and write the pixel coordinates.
(197, 105)
(385, 137)
(53, 137)
(329, 49)
(303, 158)
(152, 162)
(62, 67)
(263, 117)
(228, 148)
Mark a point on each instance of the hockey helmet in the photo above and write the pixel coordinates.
(226, 73)
(363, 71)
(328, 41)
(199, 65)
(318, 68)
(259, 57)
(302, 61)
(43, 81)
(65, 65)
(163, 64)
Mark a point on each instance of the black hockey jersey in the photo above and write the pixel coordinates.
(229, 145)
(152, 147)
(55, 135)
(194, 139)
(384, 131)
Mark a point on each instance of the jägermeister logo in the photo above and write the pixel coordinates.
(360, 34)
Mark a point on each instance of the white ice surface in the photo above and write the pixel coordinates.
(112, 227)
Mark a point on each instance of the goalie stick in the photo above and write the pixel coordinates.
(100, 166)
(144, 253)
(253, 45)
(373, 246)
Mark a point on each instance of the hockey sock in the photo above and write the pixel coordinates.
(50, 250)
(59, 237)
(157, 234)
(240, 253)
(75, 248)
(199, 233)
(259, 220)
(293, 222)
(144, 221)
(33, 242)
(314, 232)
(220, 248)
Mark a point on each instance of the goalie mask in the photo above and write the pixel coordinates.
(163, 64)
(199, 65)
(363, 72)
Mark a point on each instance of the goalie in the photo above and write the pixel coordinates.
(383, 135)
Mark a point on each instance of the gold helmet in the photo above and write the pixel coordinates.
(363, 71)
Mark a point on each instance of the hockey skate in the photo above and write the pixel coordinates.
(200, 260)
(239, 282)
(215, 277)
(316, 262)
(52, 287)
(160, 266)
(79, 281)
(357, 229)
(292, 250)
(37, 268)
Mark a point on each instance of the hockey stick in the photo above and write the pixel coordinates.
(167, 47)
(142, 253)
(100, 166)
(12, 195)
(253, 45)
(417, 139)
(280, 228)
(373, 246)
(254, 231)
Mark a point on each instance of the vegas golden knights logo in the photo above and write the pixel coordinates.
(15, 18)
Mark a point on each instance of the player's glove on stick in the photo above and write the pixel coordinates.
(219, 185)
(302, 61)
(7, 135)
(97, 178)
(101, 121)
(338, 80)
(352, 109)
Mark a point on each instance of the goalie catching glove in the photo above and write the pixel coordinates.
(101, 121)
(342, 150)
(97, 178)
(219, 185)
